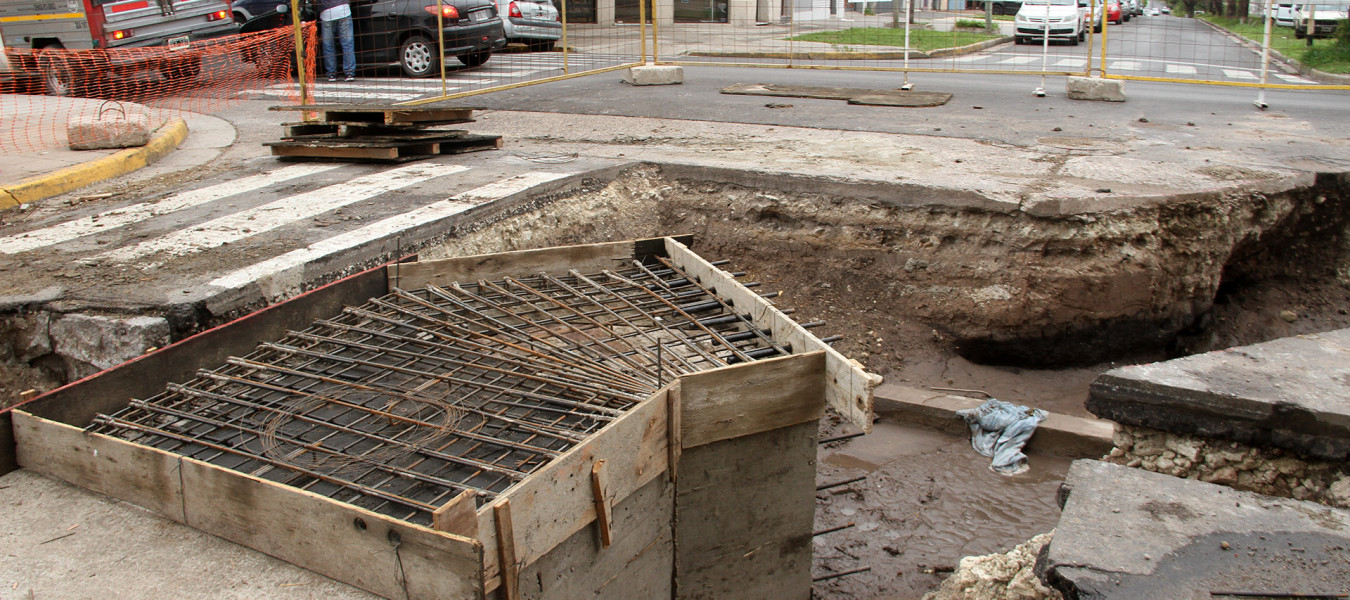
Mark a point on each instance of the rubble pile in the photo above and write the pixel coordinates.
(1009, 576)
(1269, 471)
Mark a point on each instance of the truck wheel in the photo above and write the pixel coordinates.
(474, 59)
(418, 57)
(182, 70)
(58, 77)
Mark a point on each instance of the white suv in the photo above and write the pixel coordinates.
(1063, 19)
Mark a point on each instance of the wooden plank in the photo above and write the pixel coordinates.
(141, 475)
(604, 508)
(589, 258)
(673, 424)
(744, 513)
(506, 550)
(380, 554)
(313, 151)
(849, 387)
(558, 501)
(458, 516)
(749, 398)
(471, 144)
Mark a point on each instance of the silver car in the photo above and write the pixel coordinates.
(534, 23)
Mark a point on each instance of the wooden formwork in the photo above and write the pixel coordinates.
(667, 500)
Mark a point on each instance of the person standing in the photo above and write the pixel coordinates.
(335, 19)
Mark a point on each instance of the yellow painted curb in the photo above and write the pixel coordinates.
(165, 140)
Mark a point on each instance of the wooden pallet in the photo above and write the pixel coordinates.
(384, 148)
(314, 129)
(386, 115)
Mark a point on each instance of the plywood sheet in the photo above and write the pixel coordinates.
(385, 556)
(749, 398)
(137, 474)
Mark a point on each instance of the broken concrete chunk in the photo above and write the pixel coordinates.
(1095, 88)
(95, 133)
(91, 343)
(654, 75)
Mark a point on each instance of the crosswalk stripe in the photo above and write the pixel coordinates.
(1238, 74)
(267, 272)
(1294, 79)
(273, 215)
(1071, 62)
(506, 187)
(1181, 69)
(1123, 65)
(119, 217)
(1019, 60)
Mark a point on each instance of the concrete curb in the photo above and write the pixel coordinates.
(1059, 435)
(164, 141)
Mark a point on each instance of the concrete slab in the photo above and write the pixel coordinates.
(1292, 393)
(1128, 534)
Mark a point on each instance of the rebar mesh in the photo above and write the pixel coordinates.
(401, 403)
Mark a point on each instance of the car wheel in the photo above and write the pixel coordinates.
(1082, 34)
(418, 57)
(1073, 40)
(474, 59)
(1017, 40)
(58, 77)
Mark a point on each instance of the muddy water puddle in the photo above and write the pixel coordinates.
(927, 501)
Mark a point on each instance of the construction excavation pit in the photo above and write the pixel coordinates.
(537, 406)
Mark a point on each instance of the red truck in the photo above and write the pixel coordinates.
(70, 46)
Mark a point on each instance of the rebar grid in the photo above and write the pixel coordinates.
(402, 403)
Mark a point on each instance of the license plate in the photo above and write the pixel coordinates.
(179, 43)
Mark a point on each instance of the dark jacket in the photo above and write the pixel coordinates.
(327, 4)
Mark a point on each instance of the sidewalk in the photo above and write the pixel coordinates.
(40, 164)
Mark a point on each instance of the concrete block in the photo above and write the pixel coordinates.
(1095, 88)
(654, 75)
(91, 343)
(1287, 393)
(1127, 534)
(112, 130)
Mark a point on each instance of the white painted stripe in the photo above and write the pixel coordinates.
(517, 72)
(329, 94)
(1071, 62)
(1181, 69)
(261, 219)
(120, 217)
(1123, 65)
(1237, 74)
(272, 268)
(1294, 79)
(1019, 60)
(506, 187)
(970, 58)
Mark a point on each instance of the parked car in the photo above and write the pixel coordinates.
(1061, 19)
(532, 22)
(1114, 12)
(1154, 12)
(1126, 12)
(402, 33)
(1326, 18)
(1005, 7)
(1166, 10)
(1284, 14)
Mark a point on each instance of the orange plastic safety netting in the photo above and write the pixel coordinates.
(51, 89)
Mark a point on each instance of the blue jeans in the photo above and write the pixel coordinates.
(344, 35)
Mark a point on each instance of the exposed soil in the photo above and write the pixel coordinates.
(1028, 309)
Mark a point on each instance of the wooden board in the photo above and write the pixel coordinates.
(557, 501)
(749, 398)
(383, 149)
(744, 510)
(390, 115)
(848, 386)
(141, 475)
(589, 258)
(385, 556)
(458, 516)
(349, 129)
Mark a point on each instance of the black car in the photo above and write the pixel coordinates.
(402, 32)
(1001, 7)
